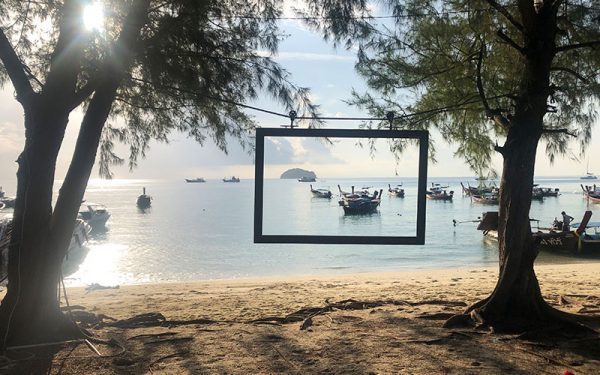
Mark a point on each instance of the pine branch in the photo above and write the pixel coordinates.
(502, 10)
(15, 69)
(510, 42)
(571, 71)
(569, 47)
(562, 131)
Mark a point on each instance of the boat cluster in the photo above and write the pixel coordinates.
(202, 180)
(358, 202)
(490, 193)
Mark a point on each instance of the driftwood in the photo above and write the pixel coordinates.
(305, 315)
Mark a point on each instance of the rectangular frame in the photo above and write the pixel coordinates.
(421, 135)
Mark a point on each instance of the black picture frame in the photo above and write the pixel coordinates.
(419, 239)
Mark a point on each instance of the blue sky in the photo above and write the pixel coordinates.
(313, 63)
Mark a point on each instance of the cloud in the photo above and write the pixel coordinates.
(294, 150)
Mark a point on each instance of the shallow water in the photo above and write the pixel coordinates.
(205, 231)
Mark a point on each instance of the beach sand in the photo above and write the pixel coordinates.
(404, 337)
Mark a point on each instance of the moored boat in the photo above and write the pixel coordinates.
(195, 180)
(232, 179)
(592, 193)
(95, 215)
(486, 198)
(320, 193)
(438, 192)
(361, 205)
(306, 179)
(144, 201)
(396, 191)
(583, 238)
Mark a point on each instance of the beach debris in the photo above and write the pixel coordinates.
(154, 320)
(183, 353)
(95, 286)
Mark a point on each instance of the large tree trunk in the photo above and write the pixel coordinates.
(30, 310)
(516, 302)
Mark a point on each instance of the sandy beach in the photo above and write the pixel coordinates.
(243, 326)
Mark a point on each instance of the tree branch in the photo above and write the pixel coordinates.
(502, 10)
(571, 71)
(578, 45)
(562, 130)
(15, 69)
(496, 114)
(511, 42)
(82, 94)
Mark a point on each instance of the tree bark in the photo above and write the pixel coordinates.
(32, 259)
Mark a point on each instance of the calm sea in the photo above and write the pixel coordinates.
(205, 231)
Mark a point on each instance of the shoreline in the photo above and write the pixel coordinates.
(401, 274)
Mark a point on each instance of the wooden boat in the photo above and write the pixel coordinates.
(487, 198)
(79, 237)
(536, 194)
(361, 205)
(439, 193)
(580, 241)
(232, 179)
(195, 180)
(95, 215)
(320, 193)
(354, 194)
(144, 201)
(396, 191)
(306, 179)
(591, 192)
(480, 189)
(548, 192)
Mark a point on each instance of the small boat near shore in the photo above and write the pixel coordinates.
(592, 193)
(396, 191)
(321, 193)
(583, 238)
(79, 237)
(486, 198)
(307, 179)
(95, 215)
(195, 180)
(232, 179)
(144, 201)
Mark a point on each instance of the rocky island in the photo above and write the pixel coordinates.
(298, 173)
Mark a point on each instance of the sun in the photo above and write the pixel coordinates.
(93, 16)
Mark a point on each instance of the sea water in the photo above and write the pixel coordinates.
(204, 231)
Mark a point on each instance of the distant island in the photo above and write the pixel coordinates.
(296, 173)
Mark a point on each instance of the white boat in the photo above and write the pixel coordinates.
(78, 239)
(588, 175)
(95, 215)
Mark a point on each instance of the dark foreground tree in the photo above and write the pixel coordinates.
(159, 66)
(478, 71)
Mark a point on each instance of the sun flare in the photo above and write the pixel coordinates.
(93, 16)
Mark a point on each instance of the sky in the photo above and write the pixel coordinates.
(313, 63)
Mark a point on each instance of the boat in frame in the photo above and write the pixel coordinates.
(396, 191)
(321, 193)
(361, 204)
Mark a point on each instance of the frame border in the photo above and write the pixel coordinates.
(421, 135)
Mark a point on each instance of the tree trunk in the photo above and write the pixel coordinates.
(516, 302)
(30, 312)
